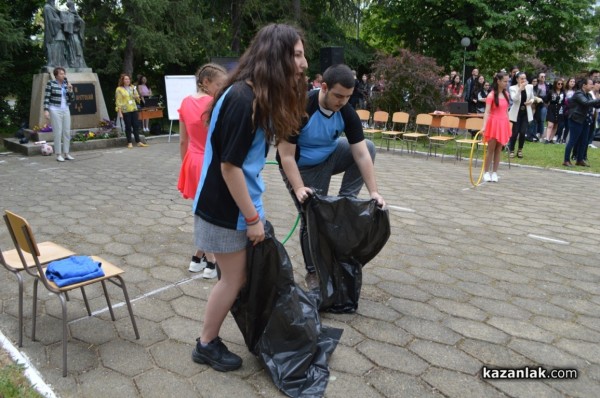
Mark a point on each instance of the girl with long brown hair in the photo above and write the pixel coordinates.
(263, 101)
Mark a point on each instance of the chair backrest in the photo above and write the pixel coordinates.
(449, 122)
(20, 231)
(381, 116)
(363, 114)
(23, 238)
(400, 118)
(474, 123)
(423, 120)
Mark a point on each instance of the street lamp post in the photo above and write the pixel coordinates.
(465, 42)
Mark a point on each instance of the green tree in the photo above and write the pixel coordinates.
(502, 32)
(160, 37)
(21, 57)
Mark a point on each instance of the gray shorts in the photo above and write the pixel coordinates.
(214, 239)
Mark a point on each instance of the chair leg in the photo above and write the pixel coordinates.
(129, 308)
(34, 309)
(85, 300)
(63, 303)
(110, 309)
(20, 280)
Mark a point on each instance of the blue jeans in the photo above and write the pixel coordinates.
(540, 117)
(577, 140)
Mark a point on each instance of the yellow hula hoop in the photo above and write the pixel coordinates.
(473, 148)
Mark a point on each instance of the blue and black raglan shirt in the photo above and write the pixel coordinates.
(231, 139)
(319, 134)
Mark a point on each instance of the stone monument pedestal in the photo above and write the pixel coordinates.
(86, 111)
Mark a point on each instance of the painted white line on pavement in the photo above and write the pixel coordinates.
(545, 239)
(150, 293)
(401, 208)
(32, 374)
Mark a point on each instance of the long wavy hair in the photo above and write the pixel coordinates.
(269, 67)
(499, 76)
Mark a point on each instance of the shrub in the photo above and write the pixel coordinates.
(412, 83)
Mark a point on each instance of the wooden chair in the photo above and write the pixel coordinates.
(24, 241)
(364, 116)
(472, 123)
(411, 139)
(380, 117)
(398, 119)
(440, 141)
(10, 259)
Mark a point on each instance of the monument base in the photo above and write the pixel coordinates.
(32, 149)
(88, 109)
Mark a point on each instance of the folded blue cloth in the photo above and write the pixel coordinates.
(73, 269)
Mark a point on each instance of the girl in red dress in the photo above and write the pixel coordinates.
(193, 130)
(496, 125)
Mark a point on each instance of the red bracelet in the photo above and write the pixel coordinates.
(252, 219)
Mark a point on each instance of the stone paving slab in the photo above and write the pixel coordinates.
(502, 275)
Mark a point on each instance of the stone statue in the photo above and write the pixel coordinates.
(54, 38)
(73, 27)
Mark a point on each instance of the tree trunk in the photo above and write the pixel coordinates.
(236, 20)
(128, 57)
(297, 10)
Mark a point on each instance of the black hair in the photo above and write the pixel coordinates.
(339, 73)
(581, 82)
(515, 79)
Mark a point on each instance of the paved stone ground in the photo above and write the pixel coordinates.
(466, 280)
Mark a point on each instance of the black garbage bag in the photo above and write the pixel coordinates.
(281, 323)
(344, 234)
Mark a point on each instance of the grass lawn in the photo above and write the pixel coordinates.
(12, 381)
(534, 154)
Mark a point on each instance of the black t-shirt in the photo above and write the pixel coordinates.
(231, 139)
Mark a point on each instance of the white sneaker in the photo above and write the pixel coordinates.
(494, 177)
(593, 146)
(487, 177)
(197, 266)
(69, 157)
(59, 158)
(210, 272)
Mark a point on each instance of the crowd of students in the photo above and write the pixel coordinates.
(544, 113)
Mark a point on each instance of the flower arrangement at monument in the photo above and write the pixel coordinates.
(106, 129)
(46, 128)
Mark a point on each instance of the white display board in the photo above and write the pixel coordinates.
(177, 88)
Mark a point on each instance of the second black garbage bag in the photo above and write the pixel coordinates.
(281, 323)
(344, 234)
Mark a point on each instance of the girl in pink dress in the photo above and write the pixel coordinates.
(496, 125)
(193, 115)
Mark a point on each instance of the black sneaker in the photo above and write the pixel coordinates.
(216, 355)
